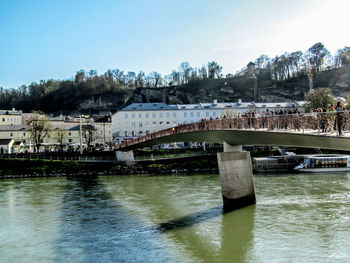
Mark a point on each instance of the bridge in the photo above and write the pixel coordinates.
(298, 130)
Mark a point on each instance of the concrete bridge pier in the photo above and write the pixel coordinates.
(236, 177)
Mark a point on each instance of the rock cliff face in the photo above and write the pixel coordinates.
(228, 90)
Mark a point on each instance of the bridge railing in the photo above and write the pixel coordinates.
(317, 122)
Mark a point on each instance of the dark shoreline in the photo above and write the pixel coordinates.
(46, 168)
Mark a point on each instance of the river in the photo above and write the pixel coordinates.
(297, 218)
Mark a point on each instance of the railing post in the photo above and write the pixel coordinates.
(302, 123)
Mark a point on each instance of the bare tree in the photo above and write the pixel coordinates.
(61, 135)
(88, 132)
(140, 79)
(156, 78)
(175, 77)
(202, 72)
(40, 127)
(214, 70)
(185, 71)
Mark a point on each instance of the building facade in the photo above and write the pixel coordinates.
(10, 117)
(139, 119)
(63, 131)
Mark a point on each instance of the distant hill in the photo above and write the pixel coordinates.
(102, 97)
(241, 87)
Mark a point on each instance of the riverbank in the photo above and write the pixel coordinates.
(23, 168)
(12, 168)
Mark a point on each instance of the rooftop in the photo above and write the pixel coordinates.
(213, 105)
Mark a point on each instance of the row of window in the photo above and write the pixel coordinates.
(11, 134)
(148, 124)
(147, 115)
(11, 119)
(24, 134)
(167, 114)
(134, 133)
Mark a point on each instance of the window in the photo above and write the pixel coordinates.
(185, 114)
(174, 114)
(140, 115)
(153, 115)
(125, 115)
(191, 114)
(147, 124)
(69, 140)
(140, 124)
(11, 134)
(160, 114)
(160, 123)
(167, 114)
(24, 134)
(198, 114)
(154, 123)
(69, 134)
(3, 119)
(126, 133)
(207, 114)
(214, 114)
(126, 124)
(147, 115)
(133, 115)
(133, 124)
(168, 122)
(133, 133)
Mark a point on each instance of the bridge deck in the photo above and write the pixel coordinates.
(303, 131)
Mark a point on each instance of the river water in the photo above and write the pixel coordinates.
(297, 218)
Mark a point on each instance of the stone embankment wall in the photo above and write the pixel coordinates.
(193, 164)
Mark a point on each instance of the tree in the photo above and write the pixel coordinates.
(317, 55)
(342, 58)
(40, 127)
(347, 106)
(262, 61)
(61, 135)
(88, 132)
(296, 60)
(80, 76)
(140, 79)
(319, 99)
(156, 78)
(130, 79)
(202, 72)
(175, 77)
(185, 71)
(214, 70)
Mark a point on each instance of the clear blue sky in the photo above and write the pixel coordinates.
(48, 39)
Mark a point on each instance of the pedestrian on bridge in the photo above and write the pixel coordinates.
(339, 117)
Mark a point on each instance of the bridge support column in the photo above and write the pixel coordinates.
(127, 157)
(236, 177)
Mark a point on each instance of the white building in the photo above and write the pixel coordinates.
(139, 119)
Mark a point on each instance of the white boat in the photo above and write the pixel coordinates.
(324, 163)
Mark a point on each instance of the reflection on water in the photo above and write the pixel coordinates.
(297, 218)
(101, 230)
